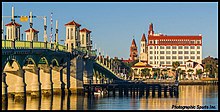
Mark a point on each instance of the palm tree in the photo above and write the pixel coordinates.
(190, 70)
(199, 72)
(175, 66)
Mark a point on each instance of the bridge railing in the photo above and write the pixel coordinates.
(89, 52)
(10, 44)
(108, 69)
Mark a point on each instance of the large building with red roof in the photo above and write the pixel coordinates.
(163, 50)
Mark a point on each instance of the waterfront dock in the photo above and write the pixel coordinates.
(134, 89)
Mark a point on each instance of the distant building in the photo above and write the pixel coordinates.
(139, 66)
(163, 50)
(13, 31)
(85, 39)
(194, 66)
(143, 50)
(31, 34)
(72, 35)
(133, 51)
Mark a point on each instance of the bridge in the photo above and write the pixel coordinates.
(35, 68)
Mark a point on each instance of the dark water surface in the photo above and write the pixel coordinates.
(189, 95)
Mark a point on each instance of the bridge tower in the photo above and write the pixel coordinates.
(72, 35)
(13, 29)
(143, 50)
(31, 33)
(85, 39)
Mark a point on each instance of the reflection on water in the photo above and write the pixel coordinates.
(188, 95)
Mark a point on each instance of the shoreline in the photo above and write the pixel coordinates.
(181, 82)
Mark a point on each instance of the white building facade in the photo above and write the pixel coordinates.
(163, 50)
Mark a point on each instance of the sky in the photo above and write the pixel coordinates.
(114, 25)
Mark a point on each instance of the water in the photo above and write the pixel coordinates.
(189, 96)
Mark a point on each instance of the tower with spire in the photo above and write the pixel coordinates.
(133, 51)
(143, 50)
(151, 30)
(13, 29)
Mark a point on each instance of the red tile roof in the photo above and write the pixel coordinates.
(189, 61)
(178, 37)
(143, 38)
(32, 30)
(10, 24)
(133, 42)
(85, 30)
(73, 23)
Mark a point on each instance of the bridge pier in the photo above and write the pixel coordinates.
(4, 88)
(47, 84)
(57, 79)
(36, 85)
(20, 90)
(76, 75)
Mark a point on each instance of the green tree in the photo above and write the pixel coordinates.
(190, 71)
(175, 65)
(145, 72)
(208, 68)
(199, 72)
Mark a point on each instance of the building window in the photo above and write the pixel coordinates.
(180, 57)
(151, 57)
(198, 47)
(151, 42)
(161, 47)
(173, 52)
(198, 52)
(168, 47)
(151, 47)
(180, 52)
(151, 62)
(71, 46)
(198, 57)
(192, 57)
(192, 52)
(174, 47)
(192, 47)
(68, 33)
(186, 52)
(71, 33)
(167, 52)
(82, 38)
(186, 57)
(167, 62)
(161, 57)
(155, 57)
(167, 57)
(198, 41)
(161, 52)
(180, 62)
(67, 46)
(192, 42)
(155, 52)
(186, 47)
(180, 47)
(162, 62)
(173, 57)
(151, 52)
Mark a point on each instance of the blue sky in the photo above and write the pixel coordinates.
(113, 25)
